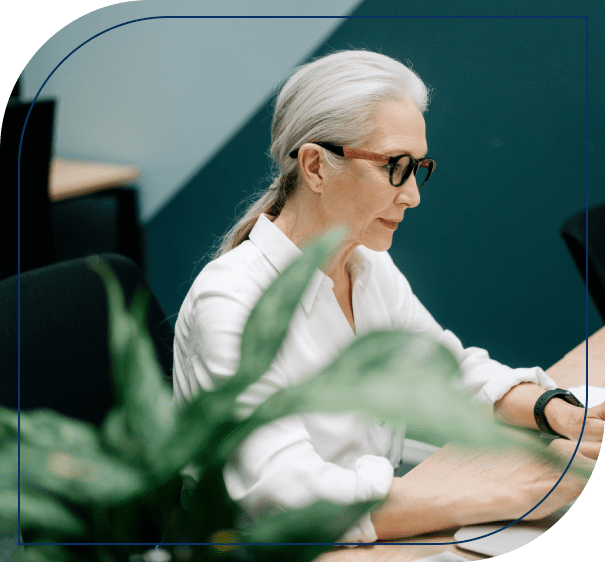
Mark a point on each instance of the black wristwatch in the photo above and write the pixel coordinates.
(541, 404)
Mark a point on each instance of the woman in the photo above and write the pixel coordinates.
(372, 106)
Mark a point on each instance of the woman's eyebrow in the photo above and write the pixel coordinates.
(407, 152)
(398, 151)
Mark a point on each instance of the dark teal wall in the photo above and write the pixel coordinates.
(507, 126)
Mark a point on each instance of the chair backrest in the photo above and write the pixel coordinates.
(574, 235)
(37, 247)
(64, 359)
(103, 222)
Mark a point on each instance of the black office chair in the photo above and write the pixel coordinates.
(64, 337)
(37, 245)
(103, 222)
(574, 235)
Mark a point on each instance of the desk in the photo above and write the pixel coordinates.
(569, 371)
(72, 178)
(95, 210)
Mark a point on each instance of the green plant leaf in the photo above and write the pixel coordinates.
(50, 429)
(40, 512)
(119, 439)
(402, 379)
(210, 415)
(152, 390)
(192, 436)
(210, 508)
(321, 522)
(46, 553)
(269, 320)
(121, 328)
(64, 456)
(144, 419)
(80, 478)
(152, 401)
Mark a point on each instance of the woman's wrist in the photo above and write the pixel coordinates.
(423, 506)
(564, 418)
(482, 502)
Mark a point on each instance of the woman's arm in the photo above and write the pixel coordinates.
(422, 502)
(512, 391)
(517, 407)
(425, 506)
(488, 379)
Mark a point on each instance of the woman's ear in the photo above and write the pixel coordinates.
(312, 166)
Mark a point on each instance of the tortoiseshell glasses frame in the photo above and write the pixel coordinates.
(391, 161)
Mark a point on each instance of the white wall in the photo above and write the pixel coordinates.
(146, 93)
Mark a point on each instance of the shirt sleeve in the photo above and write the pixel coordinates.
(277, 467)
(488, 379)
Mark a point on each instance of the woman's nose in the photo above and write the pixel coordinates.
(409, 193)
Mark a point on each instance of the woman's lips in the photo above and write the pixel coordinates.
(389, 224)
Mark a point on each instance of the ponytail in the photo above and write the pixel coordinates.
(270, 202)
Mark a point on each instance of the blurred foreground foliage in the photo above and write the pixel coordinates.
(121, 483)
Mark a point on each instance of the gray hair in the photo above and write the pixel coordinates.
(333, 99)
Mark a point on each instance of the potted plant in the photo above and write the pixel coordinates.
(122, 483)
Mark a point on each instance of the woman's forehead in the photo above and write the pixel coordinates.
(399, 128)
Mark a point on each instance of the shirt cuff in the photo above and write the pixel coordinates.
(496, 388)
(374, 479)
(362, 532)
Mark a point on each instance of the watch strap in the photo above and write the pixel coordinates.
(539, 415)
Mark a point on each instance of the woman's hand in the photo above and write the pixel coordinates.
(517, 407)
(567, 420)
(535, 480)
(475, 489)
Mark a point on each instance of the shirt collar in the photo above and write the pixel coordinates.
(281, 251)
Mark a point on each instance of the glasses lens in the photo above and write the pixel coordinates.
(423, 173)
(400, 170)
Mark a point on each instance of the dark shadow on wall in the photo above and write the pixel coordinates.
(507, 128)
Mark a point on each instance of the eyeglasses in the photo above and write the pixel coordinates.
(400, 166)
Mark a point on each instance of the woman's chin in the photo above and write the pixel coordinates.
(379, 243)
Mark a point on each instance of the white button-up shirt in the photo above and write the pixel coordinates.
(300, 459)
